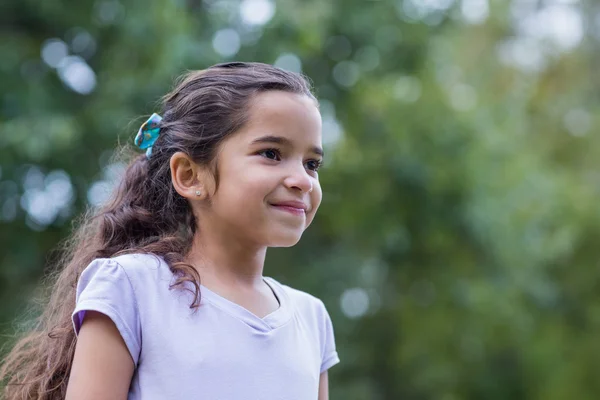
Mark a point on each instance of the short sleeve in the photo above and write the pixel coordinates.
(329, 354)
(105, 287)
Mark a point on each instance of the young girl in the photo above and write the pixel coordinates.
(162, 295)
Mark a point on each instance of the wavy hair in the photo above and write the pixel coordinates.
(144, 215)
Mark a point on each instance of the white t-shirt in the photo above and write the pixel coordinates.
(220, 351)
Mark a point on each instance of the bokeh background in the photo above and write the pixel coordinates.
(455, 247)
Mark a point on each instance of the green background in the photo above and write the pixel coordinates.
(455, 247)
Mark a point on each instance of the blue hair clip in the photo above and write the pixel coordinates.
(148, 133)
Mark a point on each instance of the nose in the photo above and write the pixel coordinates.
(299, 179)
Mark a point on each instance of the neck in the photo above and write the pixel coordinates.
(227, 262)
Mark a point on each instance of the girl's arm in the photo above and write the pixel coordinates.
(102, 366)
(324, 386)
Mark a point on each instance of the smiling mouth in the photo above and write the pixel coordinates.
(290, 210)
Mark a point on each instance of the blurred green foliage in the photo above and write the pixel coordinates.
(454, 247)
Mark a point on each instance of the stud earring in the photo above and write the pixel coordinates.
(197, 193)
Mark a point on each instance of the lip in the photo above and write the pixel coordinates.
(291, 210)
(293, 207)
(291, 204)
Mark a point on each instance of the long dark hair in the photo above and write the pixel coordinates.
(144, 215)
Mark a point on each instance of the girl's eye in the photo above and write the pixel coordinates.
(269, 153)
(314, 165)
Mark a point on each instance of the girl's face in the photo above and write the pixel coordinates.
(272, 160)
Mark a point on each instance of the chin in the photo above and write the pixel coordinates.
(285, 240)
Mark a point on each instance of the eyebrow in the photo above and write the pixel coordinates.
(284, 141)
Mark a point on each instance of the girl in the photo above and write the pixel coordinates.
(163, 294)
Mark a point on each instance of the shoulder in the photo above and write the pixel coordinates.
(313, 314)
(304, 302)
(136, 264)
(137, 268)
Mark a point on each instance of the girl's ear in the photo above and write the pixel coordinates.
(189, 179)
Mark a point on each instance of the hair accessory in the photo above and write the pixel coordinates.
(148, 134)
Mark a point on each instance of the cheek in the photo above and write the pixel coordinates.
(242, 190)
(317, 196)
(317, 193)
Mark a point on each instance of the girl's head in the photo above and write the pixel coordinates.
(245, 136)
(235, 140)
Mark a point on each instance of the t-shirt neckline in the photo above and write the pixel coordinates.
(266, 324)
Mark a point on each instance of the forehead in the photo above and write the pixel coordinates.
(292, 115)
